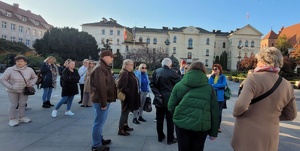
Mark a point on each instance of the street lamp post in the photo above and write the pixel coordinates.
(239, 57)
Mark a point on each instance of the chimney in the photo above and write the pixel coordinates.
(144, 26)
(214, 31)
(16, 5)
(29, 11)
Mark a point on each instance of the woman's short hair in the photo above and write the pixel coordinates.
(21, 57)
(182, 63)
(126, 62)
(50, 57)
(270, 56)
(197, 65)
(219, 67)
(166, 62)
(141, 65)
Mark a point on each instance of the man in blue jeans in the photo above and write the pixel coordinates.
(104, 91)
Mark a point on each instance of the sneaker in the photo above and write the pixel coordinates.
(70, 113)
(141, 119)
(13, 122)
(27, 108)
(54, 113)
(101, 148)
(24, 120)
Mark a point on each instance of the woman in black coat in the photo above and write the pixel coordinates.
(69, 88)
(128, 84)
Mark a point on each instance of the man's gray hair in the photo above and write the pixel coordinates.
(166, 62)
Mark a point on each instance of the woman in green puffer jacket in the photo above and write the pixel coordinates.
(194, 106)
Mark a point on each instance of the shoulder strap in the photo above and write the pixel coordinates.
(257, 99)
(22, 76)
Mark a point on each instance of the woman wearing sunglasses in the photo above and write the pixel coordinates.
(218, 82)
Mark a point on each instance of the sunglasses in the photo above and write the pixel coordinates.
(144, 67)
(215, 68)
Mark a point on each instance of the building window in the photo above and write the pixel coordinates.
(27, 42)
(28, 31)
(207, 52)
(40, 33)
(8, 14)
(33, 32)
(24, 18)
(12, 39)
(127, 48)
(4, 37)
(174, 39)
(252, 43)
(111, 32)
(13, 27)
(246, 43)
(103, 31)
(36, 22)
(148, 40)
(272, 44)
(154, 41)
(118, 32)
(20, 40)
(20, 29)
(141, 39)
(240, 43)
(118, 41)
(224, 45)
(4, 24)
(190, 42)
(174, 50)
(206, 62)
(207, 41)
(189, 55)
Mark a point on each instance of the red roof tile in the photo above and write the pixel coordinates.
(271, 35)
(292, 33)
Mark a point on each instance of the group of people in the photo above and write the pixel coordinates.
(189, 100)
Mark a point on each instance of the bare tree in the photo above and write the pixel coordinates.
(147, 55)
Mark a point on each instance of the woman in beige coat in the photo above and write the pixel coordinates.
(87, 92)
(15, 84)
(257, 125)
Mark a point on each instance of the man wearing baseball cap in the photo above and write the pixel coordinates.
(103, 92)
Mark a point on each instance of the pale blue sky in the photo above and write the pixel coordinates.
(222, 15)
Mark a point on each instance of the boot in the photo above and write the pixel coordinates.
(127, 128)
(48, 102)
(123, 132)
(46, 105)
(135, 121)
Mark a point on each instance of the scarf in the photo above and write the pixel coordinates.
(54, 71)
(266, 68)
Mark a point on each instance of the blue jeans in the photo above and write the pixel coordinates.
(100, 119)
(63, 100)
(47, 94)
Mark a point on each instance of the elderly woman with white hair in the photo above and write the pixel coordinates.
(266, 99)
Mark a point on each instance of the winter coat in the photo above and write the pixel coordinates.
(194, 104)
(163, 81)
(138, 74)
(14, 82)
(69, 84)
(103, 84)
(219, 86)
(47, 74)
(129, 85)
(257, 125)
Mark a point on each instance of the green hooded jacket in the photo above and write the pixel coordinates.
(194, 105)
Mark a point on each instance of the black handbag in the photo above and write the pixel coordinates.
(147, 106)
(27, 90)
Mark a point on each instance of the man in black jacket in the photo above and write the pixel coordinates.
(163, 81)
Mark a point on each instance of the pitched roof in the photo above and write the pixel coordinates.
(271, 35)
(104, 23)
(292, 33)
(17, 10)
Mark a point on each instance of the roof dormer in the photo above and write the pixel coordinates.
(8, 14)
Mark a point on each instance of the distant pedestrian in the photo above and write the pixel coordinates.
(129, 85)
(164, 80)
(49, 73)
(87, 91)
(194, 106)
(218, 81)
(257, 122)
(104, 92)
(69, 88)
(144, 86)
(82, 72)
(13, 81)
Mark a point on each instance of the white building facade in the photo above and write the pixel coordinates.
(18, 25)
(188, 43)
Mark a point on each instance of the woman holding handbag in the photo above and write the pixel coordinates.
(144, 85)
(14, 82)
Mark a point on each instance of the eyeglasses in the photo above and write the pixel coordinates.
(144, 67)
(215, 68)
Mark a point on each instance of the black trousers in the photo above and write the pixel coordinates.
(161, 114)
(81, 91)
(221, 106)
(190, 140)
